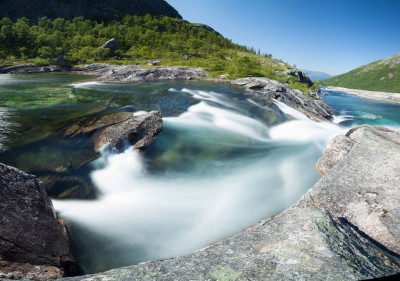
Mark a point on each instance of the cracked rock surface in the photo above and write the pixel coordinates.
(30, 233)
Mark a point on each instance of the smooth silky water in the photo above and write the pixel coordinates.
(221, 163)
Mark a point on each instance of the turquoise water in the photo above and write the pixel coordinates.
(221, 163)
(351, 110)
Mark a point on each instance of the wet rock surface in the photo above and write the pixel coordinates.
(120, 128)
(30, 233)
(264, 89)
(139, 130)
(344, 228)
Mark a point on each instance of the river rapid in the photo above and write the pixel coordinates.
(222, 162)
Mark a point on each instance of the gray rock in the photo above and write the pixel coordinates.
(344, 228)
(29, 230)
(337, 148)
(139, 130)
(261, 89)
(131, 73)
(364, 186)
(111, 44)
(61, 61)
(301, 77)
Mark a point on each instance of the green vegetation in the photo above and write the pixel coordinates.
(382, 75)
(141, 38)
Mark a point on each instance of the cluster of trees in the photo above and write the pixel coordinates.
(141, 38)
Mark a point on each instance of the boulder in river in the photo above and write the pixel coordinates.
(261, 88)
(30, 233)
(139, 130)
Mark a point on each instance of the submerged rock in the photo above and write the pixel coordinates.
(344, 228)
(139, 130)
(119, 128)
(261, 88)
(30, 233)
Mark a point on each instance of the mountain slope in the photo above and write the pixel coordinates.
(316, 75)
(90, 9)
(381, 75)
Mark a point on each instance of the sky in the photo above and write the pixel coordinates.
(333, 36)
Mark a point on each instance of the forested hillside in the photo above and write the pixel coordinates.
(382, 75)
(141, 38)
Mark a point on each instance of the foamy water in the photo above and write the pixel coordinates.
(149, 215)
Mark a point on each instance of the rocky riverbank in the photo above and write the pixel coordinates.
(344, 228)
(33, 242)
(379, 96)
(261, 89)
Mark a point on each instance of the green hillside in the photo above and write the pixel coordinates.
(382, 75)
(173, 41)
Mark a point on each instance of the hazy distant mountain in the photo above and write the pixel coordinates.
(381, 75)
(94, 10)
(316, 75)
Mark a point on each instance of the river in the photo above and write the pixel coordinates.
(221, 163)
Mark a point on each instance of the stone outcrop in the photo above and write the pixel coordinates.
(344, 228)
(300, 75)
(131, 73)
(112, 45)
(139, 129)
(30, 233)
(94, 10)
(266, 90)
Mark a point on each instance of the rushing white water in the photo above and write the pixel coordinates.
(157, 215)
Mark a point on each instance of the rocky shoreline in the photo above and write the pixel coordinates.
(379, 96)
(260, 89)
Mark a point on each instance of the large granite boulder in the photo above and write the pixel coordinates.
(264, 90)
(30, 233)
(344, 228)
(112, 45)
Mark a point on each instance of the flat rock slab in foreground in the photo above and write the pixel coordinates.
(344, 228)
(30, 234)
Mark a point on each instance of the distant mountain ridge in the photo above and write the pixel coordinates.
(316, 75)
(381, 75)
(90, 9)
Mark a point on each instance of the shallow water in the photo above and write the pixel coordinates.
(221, 163)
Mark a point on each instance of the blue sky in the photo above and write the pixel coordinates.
(333, 36)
